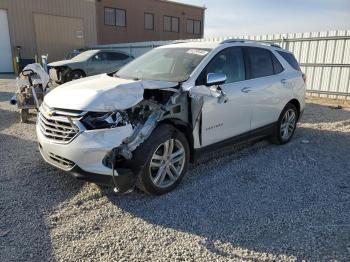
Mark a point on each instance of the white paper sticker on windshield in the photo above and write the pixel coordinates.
(197, 52)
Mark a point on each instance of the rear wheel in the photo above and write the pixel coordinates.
(166, 154)
(286, 126)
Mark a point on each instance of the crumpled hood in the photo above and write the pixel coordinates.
(101, 93)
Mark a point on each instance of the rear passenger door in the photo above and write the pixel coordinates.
(266, 84)
(117, 60)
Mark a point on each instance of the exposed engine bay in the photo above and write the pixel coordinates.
(157, 106)
(110, 130)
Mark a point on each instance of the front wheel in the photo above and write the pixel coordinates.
(74, 75)
(167, 156)
(286, 126)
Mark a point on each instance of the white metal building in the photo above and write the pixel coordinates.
(5, 44)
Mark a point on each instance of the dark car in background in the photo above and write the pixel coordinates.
(88, 63)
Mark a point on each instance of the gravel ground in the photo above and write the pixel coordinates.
(260, 203)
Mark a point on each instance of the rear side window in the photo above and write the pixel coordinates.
(277, 67)
(116, 56)
(259, 62)
(290, 59)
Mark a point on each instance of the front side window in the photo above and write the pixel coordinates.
(230, 62)
(164, 64)
(171, 24)
(102, 56)
(149, 21)
(259, 62)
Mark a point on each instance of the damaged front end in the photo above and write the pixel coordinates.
(158, 105)
(95, 137)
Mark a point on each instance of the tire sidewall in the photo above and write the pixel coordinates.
(72, 73)
(159, 136)
(278, 131)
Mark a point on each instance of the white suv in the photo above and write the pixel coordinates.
(142, 125)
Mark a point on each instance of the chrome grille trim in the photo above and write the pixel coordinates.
(66, 125)
(57, 129)
(63, 112)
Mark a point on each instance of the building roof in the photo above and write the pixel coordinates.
(178, 3)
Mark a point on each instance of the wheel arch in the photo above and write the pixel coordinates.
(78, 69)
(296, 103)
(184, 128)
(70, 70)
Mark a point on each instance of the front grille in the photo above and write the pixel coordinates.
(57, 129)
(61, 161)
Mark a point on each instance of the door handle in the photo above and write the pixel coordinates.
(246, 90)
(283, 81)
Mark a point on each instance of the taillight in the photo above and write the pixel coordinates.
(304, 78)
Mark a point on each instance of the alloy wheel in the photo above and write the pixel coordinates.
(77, 76)
(167, 163)
(288, 124)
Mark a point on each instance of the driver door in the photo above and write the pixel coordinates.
(98, 64)
(222, 121)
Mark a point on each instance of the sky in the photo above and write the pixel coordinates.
(256, 17)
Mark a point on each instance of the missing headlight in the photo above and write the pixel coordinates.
(97, 120)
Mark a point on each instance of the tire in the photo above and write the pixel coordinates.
(24, 115)
(74, 75)
(160, 173)
(287, 124)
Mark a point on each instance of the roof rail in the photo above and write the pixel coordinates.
(180, 42)
(270, 43)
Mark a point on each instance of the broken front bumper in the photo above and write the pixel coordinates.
(83, 156)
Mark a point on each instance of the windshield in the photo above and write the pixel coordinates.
(84, 55)
(164, 64)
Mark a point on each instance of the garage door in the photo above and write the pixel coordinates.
(57, 35)
(5, 44)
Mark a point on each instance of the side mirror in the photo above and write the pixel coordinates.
(216, 79)
(201, 91)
